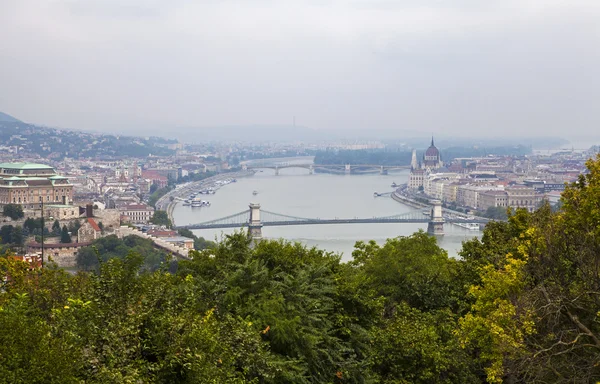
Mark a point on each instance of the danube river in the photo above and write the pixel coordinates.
(294, 192)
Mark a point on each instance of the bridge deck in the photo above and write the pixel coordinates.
(424, 220)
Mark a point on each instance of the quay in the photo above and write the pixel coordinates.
(169, 200)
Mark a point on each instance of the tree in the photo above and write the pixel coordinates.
(161, 218)
(158, 194)
(74, 226)
(287, 293)
(419, 347)
(64, 236)
(14, 211)
(32, 224)
(411, 269)
(56, 228)
(6, 232)
(16, 236)
(496, 213)
(111, 247)
(200, 243)
(536, 291)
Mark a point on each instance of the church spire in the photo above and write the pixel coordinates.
(432, 141)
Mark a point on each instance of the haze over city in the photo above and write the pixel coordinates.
(455, 68)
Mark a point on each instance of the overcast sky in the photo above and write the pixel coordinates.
(499, 67)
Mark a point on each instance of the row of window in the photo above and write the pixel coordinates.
(19, 200)
(35, 191)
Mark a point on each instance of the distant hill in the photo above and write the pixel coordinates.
(8, 118)
(284, 133)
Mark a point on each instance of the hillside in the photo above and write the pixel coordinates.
(8, 118)
(51, 143)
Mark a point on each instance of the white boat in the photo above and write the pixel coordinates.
(200, 203)
(469, 226)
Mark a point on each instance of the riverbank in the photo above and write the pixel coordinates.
(408, 201)
(170, 200)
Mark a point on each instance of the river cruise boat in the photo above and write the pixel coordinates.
(469, 226)
(196, 203)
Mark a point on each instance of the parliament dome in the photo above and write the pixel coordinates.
(432, 158)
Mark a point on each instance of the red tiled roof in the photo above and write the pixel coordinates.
(94, 225)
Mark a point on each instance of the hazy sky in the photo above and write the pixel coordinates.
(500, 66)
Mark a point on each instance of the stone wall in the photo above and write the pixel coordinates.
(108, 217)
(61, 212)
(177, 251)
(64, 255)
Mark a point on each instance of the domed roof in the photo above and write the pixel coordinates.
(432, 150)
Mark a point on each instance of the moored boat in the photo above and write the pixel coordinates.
(469, 226)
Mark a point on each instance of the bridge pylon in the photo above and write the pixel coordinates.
(311, 170)
(436, 224)
(255, 225)
(348, 169)
(276, 170)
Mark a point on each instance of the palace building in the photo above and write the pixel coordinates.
(31, 184)
(432, 160)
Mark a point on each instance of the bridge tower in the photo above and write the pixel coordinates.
(311, 170)
(348, 169)
(255, 226)
(244, 167)
(383, 171)
(436, 224)
(276, 170)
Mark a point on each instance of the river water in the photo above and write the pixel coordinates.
(294, 192)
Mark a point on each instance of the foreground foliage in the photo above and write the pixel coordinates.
(520, 306)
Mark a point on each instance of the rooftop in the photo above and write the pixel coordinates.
(25, 166)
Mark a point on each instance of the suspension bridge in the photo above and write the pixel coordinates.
(255, 218)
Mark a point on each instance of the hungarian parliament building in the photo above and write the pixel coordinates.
(432, 160)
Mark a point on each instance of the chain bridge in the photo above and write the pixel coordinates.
(255, 218)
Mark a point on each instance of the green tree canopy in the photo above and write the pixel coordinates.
(14, 211)
(520, 305)
(65, 237)
(56, 230)
(161, 218)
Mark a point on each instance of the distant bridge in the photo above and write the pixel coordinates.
(255, 219)
(340, 168)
